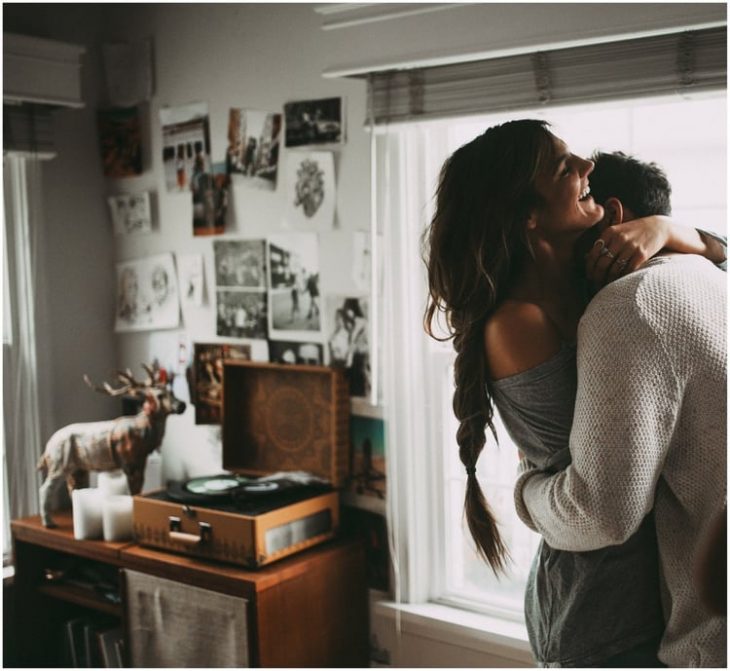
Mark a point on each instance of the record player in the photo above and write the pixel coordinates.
(286, 447)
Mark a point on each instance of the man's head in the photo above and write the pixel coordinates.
(628, 188)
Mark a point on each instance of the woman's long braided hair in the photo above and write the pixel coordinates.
(474, 250)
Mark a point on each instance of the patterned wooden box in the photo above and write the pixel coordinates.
(286, 418)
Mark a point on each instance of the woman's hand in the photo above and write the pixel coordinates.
(624, 247)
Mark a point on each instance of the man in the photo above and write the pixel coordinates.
(649, 429)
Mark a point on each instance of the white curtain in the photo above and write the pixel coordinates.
(21, 415)
(406, 160)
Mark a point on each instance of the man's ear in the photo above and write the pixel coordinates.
(613, 212)
(531, 223)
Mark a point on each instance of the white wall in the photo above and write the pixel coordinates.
(237, 55)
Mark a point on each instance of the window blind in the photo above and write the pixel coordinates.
(673, 63)
(28, 129)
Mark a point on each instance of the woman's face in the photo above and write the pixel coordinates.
(563, 185)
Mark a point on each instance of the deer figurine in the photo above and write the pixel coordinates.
(123, 443)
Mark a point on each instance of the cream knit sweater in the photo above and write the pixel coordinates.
(649, 431)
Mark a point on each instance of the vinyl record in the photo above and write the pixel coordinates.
(216, 485)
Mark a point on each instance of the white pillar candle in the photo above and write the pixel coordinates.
(86, 505)
(116, 512)
(112, 483)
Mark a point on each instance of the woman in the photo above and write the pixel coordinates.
(511, 206)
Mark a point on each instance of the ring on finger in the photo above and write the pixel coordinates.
(621, 264)
(605, 251)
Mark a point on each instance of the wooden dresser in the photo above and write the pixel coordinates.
(308, 610)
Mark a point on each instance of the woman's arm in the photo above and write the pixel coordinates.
(637, 240)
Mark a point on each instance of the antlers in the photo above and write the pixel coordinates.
(130, 384)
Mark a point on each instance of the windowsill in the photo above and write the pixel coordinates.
(455, 626)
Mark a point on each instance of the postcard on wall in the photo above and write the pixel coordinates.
(130, 213)
(120, 138)
(310, 190)
(241, 313)
(185, 144)
(294, 286)
(253, 146)
(190, 279)
(314, 122)
(240, 264)
(367, 438)
(147, 294)
(207, 392)
(309, 353)
(128, 71)
(210, 198)
(348, 338)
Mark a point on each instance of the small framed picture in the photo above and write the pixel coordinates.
(131, 213)
(314, 122)
(281, 351)
(207, 395)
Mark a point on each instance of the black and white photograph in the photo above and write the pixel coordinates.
(185, 144)
(348, 340)
(295, 306)
(241, 314)
(130, 213)
(253, 146)
(310, 191)
(314, 122)
(147, 294)
(240, 263)
(303, 353)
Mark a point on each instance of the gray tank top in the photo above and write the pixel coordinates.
(580, 607)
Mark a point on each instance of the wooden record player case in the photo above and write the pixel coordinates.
(275, 418)
(286, 418)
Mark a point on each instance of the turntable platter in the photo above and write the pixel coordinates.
(218, 485)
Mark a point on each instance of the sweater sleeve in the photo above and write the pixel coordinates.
(626, 408)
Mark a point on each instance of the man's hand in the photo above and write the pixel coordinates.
(624, 247)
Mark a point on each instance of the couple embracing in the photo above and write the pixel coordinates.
(609, 373)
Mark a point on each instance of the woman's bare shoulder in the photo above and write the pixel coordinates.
(517, 337)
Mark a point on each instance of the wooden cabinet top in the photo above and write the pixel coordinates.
(61, 538)
(217, 576)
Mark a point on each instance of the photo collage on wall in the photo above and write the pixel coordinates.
(268, 290)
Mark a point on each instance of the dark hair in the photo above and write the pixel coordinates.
(474, 248)
(642, 187)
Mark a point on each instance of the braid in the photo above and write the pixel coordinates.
(473, 409)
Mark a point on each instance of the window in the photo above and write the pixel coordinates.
(440, 563)
(21, 416)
